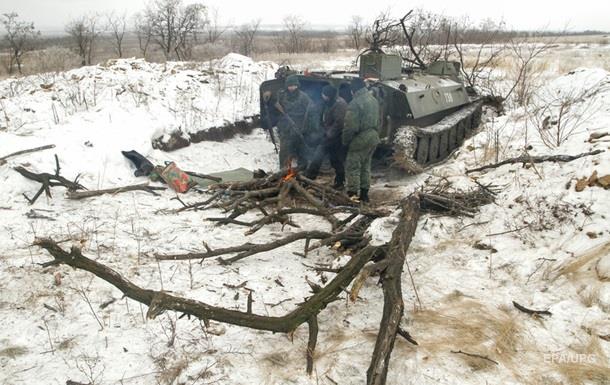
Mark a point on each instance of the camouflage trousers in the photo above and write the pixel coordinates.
(292, 148)
(358, 168)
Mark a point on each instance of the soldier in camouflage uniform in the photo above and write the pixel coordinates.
(333, 116)
(361, 138)
(297, 121)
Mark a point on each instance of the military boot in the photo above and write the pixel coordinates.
(364, 195)
(353, 196)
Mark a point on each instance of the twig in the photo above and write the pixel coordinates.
(530, 311)
(49, 336)
(473, 224)
(508, 231)
(49, 307)
(244, 283)
(279, 303)
(474, 355)
(82, 292)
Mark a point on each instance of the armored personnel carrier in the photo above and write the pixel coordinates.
(424, 114)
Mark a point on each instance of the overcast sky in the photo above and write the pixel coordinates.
(52, 15)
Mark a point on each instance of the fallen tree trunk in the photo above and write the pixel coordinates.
(393, 306)
(536, 159)
(93, 193)
(160, 301)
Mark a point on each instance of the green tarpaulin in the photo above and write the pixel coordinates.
(237, 175)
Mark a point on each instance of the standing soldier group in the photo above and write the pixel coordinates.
(345, 133)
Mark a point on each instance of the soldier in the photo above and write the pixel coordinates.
(296, 109)
(361, 138)
(332, 122)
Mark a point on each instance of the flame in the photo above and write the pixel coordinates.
(291, 171)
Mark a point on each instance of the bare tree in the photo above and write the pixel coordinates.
(117, 25)
(525, 53)
(560, 113)
(295, 27)
(19, 36)
(486, 48)
(279, 41)
(427, 37)
(383, 32)
(356, 32)
(245, 36)
(83, 33)
(214, 28)
(174, 27)
(143, 30)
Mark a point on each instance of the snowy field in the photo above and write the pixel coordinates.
(542, 244)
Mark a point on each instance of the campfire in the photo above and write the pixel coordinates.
(291, 173)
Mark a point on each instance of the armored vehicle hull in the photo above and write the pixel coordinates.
(424, 115)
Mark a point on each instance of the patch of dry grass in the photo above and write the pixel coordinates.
(590, 366)
(13, 351)
(576, 268)
(463, 324)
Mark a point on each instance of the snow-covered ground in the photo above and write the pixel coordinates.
(542, 244)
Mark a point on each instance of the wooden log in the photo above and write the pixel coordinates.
(135, 187)
(393, 306)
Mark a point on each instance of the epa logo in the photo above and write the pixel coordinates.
(569, 358)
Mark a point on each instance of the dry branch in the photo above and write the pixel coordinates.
(48, 180)
(393, 306)
(407, 336)
(247, 249)
(525, 159)
(22, 152)
(93, 193)
(311, 343)
(160, 301)
(530, 311)
(475, 356)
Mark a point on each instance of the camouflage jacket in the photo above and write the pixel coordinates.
(333, 119)
(361, 121)
(300, 111)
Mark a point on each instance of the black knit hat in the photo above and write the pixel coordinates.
(292, 80)
(329, 91)
(357, 84)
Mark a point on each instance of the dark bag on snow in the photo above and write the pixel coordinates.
(143, 166)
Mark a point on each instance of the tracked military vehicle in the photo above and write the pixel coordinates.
(424, 114)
